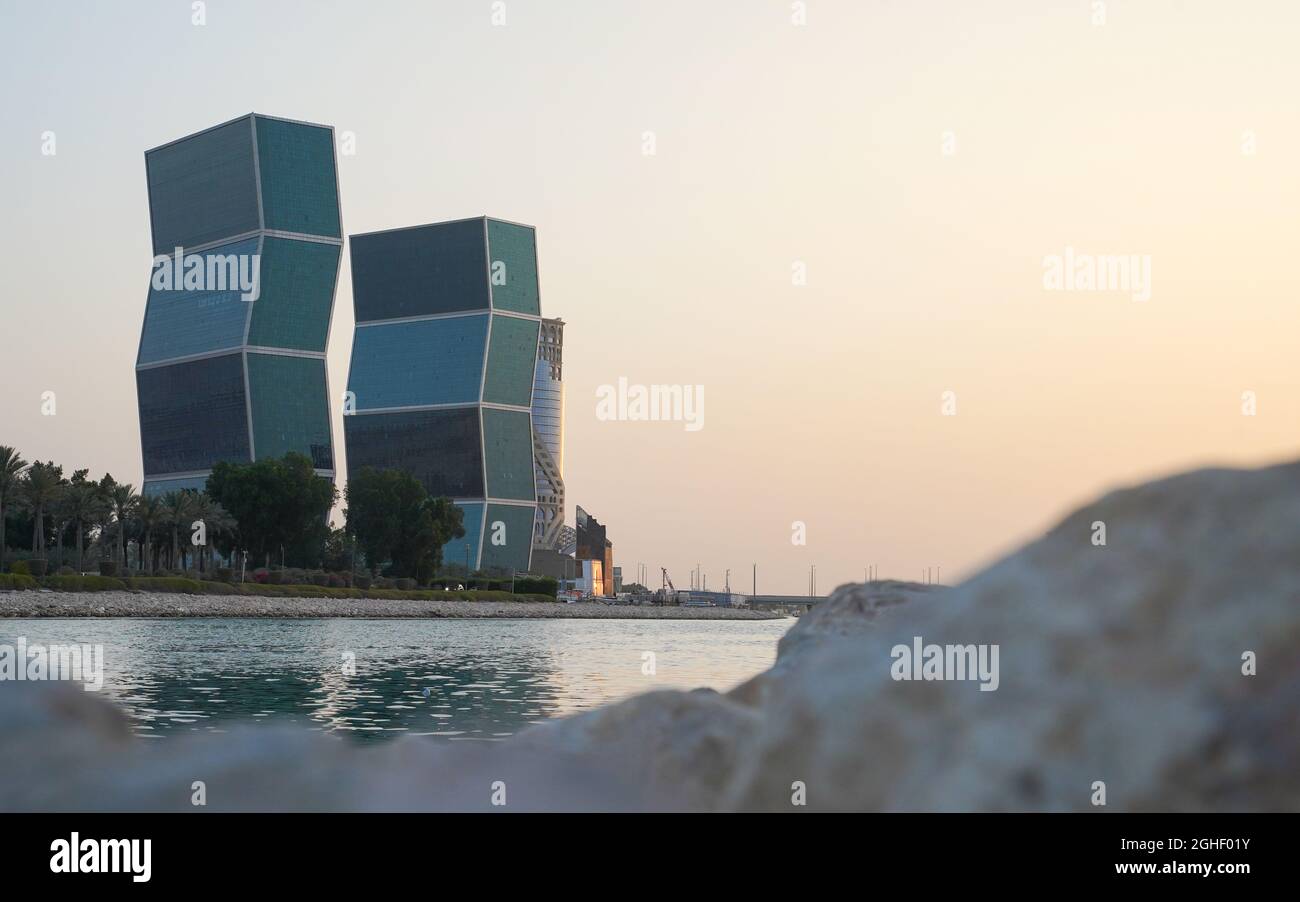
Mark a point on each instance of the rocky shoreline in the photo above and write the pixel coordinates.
(45, 603)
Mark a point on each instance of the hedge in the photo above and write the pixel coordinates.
(185, 586)
(83, 583)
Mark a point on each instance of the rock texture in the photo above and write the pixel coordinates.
(1119, 664)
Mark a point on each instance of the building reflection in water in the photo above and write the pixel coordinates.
(374, 679)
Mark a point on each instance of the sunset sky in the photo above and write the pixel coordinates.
(919, 159)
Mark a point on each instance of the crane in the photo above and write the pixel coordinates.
(667, 584)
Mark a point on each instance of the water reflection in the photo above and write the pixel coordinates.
(454, 679)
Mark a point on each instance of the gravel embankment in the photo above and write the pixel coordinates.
(46, 603)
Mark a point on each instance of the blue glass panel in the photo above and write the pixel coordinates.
(180, 323)
(420, 271)
(203, 188)
(437, 361)
(438, 447)
(454, 552)
(156, 487)
(193, 415)
(299, 189)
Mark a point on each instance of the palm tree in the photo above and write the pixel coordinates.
(40, 489)
(82, 504)
(11, 475)
(178, 509)
(122, 501)
(201, 509)
(149, 515)
(217, 522)
(220, 523)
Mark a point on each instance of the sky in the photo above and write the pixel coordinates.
(840, 234)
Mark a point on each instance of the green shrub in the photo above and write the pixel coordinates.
(83, 583)
(537, 585)
(183, 585)
(216, 587)
(20, 568)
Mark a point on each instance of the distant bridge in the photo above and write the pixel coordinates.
(784, 601)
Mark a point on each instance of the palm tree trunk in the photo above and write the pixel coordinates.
(80, 562)
(38, 532)
(3, 549)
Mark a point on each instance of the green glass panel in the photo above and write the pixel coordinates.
(299, 188)
(508, 450)
(512, 361)
(297, 294)
(290, 408)
(512, 253)
(511, 525)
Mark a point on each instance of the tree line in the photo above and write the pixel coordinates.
(275, 511)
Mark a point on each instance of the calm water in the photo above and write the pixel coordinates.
(485, 679)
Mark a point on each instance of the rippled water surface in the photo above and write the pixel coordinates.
(458, 679)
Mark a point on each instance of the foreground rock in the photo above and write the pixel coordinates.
(163, 604)
(1118, 664)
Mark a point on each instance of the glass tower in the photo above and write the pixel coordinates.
(247, 237)
(441, 377)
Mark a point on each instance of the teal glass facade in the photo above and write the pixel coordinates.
(290, 405)
(297, 295)
(441, 375)
(512, 357)
(507, 524)
(224, 372)
(434, 361)
(512, 250)
(508, 451)
(299, 188)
